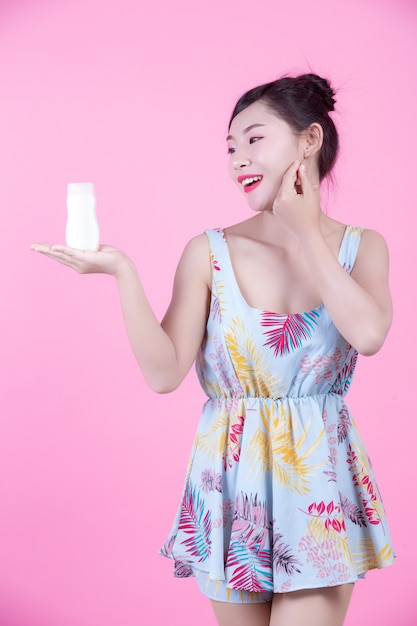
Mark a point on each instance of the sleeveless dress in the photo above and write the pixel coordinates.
(279, 494)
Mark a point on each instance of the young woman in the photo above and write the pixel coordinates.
(280, 513)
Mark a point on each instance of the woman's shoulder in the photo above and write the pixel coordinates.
(365, 234)
(371, 258)
(372, 245)
(368, 242)
(194, 263)
(372, 237)
(197, 246)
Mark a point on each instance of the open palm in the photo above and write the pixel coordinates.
(107, 259)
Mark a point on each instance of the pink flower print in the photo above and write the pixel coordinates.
(237, 429)
(225, 380)
(317, 363)
(286, 586)
(327, 359)
(182, 570)
(228, 508)
(321, 366)
(305, 364)
(305, 542)
(332, 514)
(211, 481)
(344, 424)
(233, 446)
(330, 471)
(219, 355)
(167, 549)
(352, 511)
(324, 572)
(216, 311)
(337, 525)
(332, 462)
(366, 489)
(283, 558)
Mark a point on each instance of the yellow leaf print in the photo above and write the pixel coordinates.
(324, 536)
(354, 231)
(279, 447)
(213, 442)
(224, 437)
(215, 389)
(364, 556)
(365, 482)
(249, 364)
(385, 555)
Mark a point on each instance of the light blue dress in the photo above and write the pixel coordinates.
(279, 494)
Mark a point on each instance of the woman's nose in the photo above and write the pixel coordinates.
(240, 161)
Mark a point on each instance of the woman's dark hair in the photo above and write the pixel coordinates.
(300, 101)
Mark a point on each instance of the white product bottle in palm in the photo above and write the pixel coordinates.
(82, 230)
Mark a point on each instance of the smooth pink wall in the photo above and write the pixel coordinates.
(135, 97)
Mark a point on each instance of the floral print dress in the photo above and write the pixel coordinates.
(279, 494)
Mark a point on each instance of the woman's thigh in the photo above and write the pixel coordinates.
(230, 614)
(315, 607)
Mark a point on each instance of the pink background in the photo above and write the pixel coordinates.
(136, 97)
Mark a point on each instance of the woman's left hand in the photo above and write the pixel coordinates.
(298, 200)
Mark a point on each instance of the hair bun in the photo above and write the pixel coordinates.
(322, 88)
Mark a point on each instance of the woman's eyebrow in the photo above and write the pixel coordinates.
(245, 130)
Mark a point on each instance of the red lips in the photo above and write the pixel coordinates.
(253, 184)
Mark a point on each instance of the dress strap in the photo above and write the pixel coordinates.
(217, 247)
(220, 260)
(218, 256)
(349, 247)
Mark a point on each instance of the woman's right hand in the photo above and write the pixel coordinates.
(164, 350)
(107, 260)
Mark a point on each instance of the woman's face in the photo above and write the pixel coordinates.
(261, 148)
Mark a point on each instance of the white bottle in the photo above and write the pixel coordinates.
(82, 229)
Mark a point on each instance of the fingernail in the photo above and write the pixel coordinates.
(303, 167)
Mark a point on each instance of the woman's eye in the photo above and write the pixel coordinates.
(253, 139)
(230, 150)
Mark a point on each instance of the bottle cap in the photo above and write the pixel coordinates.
(80, 189)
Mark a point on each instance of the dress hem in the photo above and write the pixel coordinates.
(194, 571)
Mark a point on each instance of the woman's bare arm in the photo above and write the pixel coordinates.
(164, 351)
(358, 303)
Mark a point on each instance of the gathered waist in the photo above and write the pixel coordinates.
(295, 397)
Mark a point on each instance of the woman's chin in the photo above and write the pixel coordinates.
(259, 207)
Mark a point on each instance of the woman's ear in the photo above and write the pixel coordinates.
(313, 140)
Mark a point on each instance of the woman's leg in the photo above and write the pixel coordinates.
(230, 614)
(315, 607)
